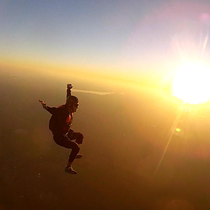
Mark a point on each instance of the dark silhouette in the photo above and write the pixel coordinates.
(60, 123)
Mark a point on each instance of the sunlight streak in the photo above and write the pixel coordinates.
(171, 133)
(204, 45)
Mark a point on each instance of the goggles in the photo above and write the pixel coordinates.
(74, 104)
(77, 104)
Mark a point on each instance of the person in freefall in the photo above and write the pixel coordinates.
(60, 123)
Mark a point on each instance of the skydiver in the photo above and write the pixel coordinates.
(60, 123)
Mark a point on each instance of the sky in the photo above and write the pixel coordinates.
(133, 39)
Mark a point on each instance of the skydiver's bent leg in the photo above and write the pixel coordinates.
(78, 137)
(64, 141)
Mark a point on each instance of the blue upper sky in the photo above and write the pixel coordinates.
(135, 37)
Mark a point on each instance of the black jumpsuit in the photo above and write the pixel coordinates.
(59, 124)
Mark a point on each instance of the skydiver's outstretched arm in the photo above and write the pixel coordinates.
(69, 87)
(49, 109)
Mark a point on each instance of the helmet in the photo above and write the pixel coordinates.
(71, 99)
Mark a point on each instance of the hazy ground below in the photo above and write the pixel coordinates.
(125, 132)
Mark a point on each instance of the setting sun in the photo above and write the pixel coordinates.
(191, 83)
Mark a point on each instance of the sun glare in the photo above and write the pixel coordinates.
(191, 83)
